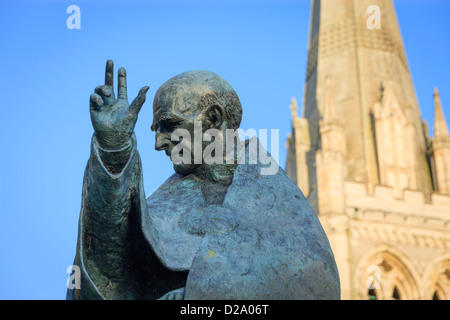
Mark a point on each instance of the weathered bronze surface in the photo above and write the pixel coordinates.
(211, 231)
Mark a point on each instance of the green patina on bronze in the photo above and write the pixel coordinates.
(213, 231)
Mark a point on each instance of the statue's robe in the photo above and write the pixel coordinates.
(263, 242)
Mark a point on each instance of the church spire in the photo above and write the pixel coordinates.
(440, 153)
(329, 109)
(299, 144)
(440, 125)
(294, 108)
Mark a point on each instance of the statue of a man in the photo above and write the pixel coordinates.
(220, 230)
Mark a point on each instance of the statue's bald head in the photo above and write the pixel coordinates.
(191, 93)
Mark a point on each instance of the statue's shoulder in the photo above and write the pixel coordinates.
(162, 223)
(174, 182)
(277, 248)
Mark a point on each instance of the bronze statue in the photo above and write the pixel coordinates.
(212, 230)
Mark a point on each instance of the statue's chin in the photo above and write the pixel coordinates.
(185, 169)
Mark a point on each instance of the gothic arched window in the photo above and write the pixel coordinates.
(395, 144)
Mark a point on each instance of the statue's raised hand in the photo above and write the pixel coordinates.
(114, 119)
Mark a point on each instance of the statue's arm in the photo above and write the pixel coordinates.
(109, 214)
(112, 196)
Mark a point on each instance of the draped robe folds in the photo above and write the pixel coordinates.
(263, 242)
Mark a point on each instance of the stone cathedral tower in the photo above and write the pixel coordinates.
(363, 158)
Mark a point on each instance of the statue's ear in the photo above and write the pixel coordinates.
(215, 115)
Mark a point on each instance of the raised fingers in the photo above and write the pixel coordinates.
(109, 75)
(122, 85)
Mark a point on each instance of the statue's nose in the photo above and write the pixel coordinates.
(162, 142)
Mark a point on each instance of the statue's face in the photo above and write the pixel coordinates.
(165, 122)
(184, 102)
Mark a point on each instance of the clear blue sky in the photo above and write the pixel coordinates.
(48, 72)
